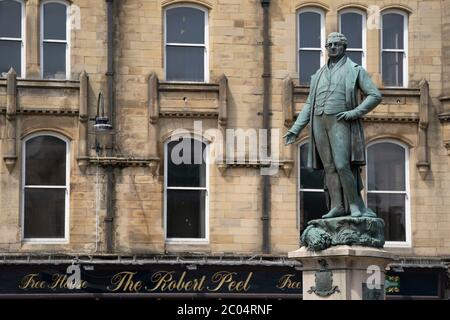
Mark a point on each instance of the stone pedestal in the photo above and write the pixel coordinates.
(343, 272)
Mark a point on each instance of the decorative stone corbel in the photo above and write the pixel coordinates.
(287, 167)
(223, 119)
(153, 128)
(83, 156)
(287, 101)
(11, 110)
(423, 161)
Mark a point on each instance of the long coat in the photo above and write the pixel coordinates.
(356, 80)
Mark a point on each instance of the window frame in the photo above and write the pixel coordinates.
(321, 12)
(300, 214)
(23, 64)
(363, 32)
(404, 50)
(205, 45)
(395, 244)
(204, 240)
(67, 42)
(64, 240)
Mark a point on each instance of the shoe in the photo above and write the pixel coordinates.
(335, 212)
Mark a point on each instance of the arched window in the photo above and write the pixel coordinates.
(311, 42)
(352, 23)
(55, 36)
(394, 48)
(45, 183)
(388, 188)
(311, 195)
(12, 30)
(185, 43)
(186, 190)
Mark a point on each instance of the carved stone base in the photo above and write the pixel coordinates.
(343, 273)
(323, 233)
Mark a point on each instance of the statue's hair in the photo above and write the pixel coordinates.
(340, 36)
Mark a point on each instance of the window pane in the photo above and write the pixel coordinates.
(312, 205)
(309, 63)
(356, 56)
(10, 19)
(390, 208)
(185, 63)
(44, 213)
(55, 21)
(392, 69)
(386, 167)
(393, 31)
(185, 25)
(309, 178)
(351, 27)
(186, 167)
(54, 60)
(186, 213)
(309, 30)
(10, 56)
(45, 161)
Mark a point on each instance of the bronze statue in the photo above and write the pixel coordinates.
(336, 134)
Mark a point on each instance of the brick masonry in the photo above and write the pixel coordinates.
(235, 50)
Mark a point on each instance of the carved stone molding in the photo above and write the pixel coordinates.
(122, 162)
(83, 148)
(11, 126)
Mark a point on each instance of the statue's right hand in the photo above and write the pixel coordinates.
(289, 137)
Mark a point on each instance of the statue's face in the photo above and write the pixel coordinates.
(335, 48)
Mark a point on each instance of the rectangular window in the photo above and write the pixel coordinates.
(186, 191)
(45, 189)
(311, 37)
(394, 45)
(352, 24)
(312, 202)
(387, 192)
(55, 43)
(11, 37)
(185, 44)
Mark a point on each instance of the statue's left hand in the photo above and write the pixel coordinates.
(347, 115)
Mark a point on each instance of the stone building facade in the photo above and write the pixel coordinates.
(115, 200)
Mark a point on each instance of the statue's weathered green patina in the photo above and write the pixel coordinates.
(334, 111)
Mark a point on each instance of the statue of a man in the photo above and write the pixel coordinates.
(334, 111)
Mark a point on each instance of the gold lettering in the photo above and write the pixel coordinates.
(59, 281)
(30, 282)
(124, 281)
(161, 278)
(286, 282)
(226, 278)
(165, 281)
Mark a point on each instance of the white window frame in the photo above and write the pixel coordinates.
(404, 50)
(363, 32)
(22, 40)
(322, 36)
(205, 45)
(67, 41)
(64, 240)
(204, 240)
(299, 188)
(396, 244)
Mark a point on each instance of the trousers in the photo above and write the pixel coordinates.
(333, 144)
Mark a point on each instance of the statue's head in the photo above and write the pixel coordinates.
(336, 45)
